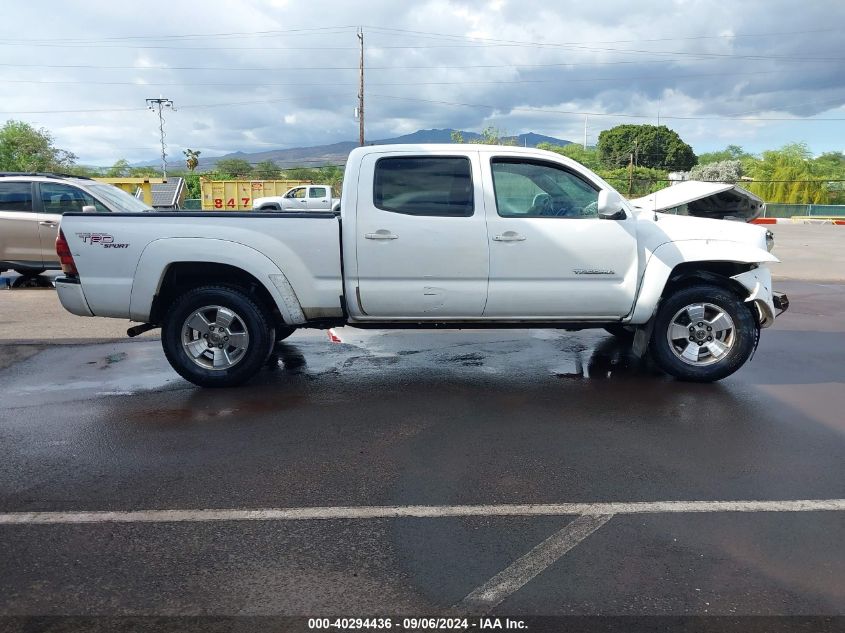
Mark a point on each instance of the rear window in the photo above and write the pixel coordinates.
(416, 185)
(15, 196)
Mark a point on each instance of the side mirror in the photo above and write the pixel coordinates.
(89, 208)
(610, 206)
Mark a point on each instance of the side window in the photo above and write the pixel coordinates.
(317, 192)
(59, 198)
(532, 189)
(15, 196)
(296, 193)
(436, 186)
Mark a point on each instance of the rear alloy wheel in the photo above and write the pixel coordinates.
(703, 334)
(216, 336)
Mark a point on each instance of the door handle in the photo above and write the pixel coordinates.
(381, 235)
(509, 236)
(49, 223)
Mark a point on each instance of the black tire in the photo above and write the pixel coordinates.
(742, 335)
(284, 331)
(621, 332)
(253, 319)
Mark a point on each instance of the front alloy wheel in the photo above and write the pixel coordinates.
(703, 333)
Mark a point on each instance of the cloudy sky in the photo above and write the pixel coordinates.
(254, 75)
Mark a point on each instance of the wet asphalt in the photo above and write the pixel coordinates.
(429, 418)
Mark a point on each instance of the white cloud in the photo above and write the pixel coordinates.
(603, 57)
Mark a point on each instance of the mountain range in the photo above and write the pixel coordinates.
(336, 153)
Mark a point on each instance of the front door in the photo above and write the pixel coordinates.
(550, 254)
(296, 200)
(421, 239)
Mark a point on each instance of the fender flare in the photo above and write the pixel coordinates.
(160, 254)
(667, 256)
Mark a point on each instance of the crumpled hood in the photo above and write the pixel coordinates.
(675, 228)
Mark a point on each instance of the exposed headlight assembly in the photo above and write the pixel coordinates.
(770, 240)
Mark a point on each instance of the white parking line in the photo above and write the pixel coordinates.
(387, 512)
(526, 567)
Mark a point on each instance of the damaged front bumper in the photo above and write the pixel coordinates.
(769, 304)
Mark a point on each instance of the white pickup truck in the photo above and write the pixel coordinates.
(303, 198)
(429, 236)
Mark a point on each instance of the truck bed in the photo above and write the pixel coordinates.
(123, 257)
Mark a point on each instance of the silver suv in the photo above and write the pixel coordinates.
(31, 205)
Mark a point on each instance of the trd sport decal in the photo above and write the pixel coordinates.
(100, 239)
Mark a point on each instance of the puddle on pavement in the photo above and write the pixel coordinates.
(67, 373)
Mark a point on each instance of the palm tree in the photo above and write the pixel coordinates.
(192, 158)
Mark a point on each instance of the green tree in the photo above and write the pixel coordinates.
(635, 182)
(731, 152)
(232, 168)
(588, 157)
(654, 146)
(192, 159)
(144, 172)
(120, 169)
(494, 136)
(490, 135)
(789, 175)
(266, 170)
(25, 148)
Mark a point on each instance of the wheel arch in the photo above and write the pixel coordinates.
(676, 264)
(160, 276)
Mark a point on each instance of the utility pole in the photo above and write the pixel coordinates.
(156, 105)
(630, 173)
(585, 131)
(361, 88)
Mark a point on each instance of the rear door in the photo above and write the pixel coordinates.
(550, 254)
(319, 199)
(19, 241)
(421, 238)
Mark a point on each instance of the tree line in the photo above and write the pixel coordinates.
(636, 159)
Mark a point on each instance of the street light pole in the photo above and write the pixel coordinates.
(156, 105)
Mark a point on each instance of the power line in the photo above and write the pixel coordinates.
(184, 107)
(328, 30)
(429, 34)
(332, 30)
(408, 83)
(581, 113)
(568, 64)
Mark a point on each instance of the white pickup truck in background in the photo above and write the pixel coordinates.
(303, 198)
(430, 236)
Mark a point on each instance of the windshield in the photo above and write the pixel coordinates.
(118, 199)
